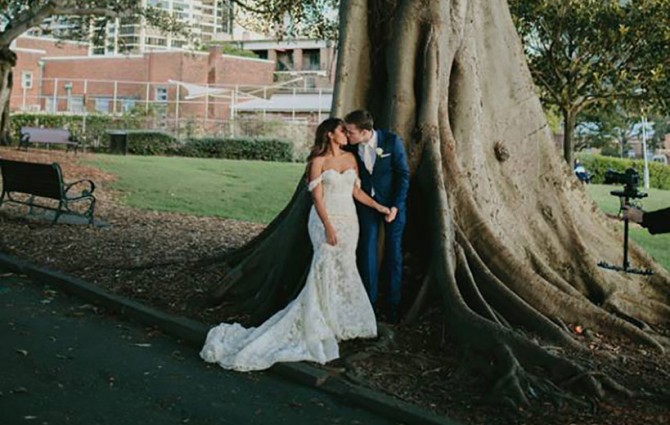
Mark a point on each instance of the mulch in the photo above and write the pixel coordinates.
(154, 257)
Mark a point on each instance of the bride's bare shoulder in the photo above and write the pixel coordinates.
(315, 165)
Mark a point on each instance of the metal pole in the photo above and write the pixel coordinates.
(176, 111)
(206, 104)
(626, 264)
(146, 101)
(116, 87)
(55, 99)
(644, 152)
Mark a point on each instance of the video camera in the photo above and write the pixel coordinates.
(630, 179)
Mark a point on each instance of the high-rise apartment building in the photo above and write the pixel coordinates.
(208, 20)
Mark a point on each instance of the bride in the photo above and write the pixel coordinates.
(333, 305)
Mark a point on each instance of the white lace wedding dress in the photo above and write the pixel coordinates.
(332, 306)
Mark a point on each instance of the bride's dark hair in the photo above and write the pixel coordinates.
(321, 139)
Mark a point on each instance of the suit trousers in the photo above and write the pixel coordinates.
(391, 270)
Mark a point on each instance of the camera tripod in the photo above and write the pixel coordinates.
(625, 267)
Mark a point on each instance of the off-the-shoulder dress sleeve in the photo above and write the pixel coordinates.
(314, 183)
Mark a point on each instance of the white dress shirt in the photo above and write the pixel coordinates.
(368, 152)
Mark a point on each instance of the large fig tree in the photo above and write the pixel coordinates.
(497, 226)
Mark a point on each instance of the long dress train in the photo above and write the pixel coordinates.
(332, 306)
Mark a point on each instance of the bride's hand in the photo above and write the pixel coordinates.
(383, 210)
(331, 236)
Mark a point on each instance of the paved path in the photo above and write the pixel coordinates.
(65, 362)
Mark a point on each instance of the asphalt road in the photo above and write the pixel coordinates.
(63, 361)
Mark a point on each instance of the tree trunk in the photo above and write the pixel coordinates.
(7, 62)
(513, 239)
(569, 119)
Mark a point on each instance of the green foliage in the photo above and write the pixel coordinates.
(241, 190)
(82, 19)
(242, 148)
(659, 174)
(230, 49)
(595, 53)
(292, 18)
(149, 142)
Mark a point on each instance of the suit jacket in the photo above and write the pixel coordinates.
(390, 174)
(657, 221)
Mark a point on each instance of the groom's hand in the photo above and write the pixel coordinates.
(391, 216)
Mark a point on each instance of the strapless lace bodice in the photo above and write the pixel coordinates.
(337, 191)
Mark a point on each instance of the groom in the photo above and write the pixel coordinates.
(385, 177)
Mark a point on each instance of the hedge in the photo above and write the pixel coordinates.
(238, 148)
(151, 142)
(659, 174)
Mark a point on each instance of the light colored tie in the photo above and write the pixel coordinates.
(367, 157)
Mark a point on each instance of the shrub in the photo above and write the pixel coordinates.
(239, 148)
(151, 142)
(659, 174)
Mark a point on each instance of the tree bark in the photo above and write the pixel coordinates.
(7, 63)
(513, 239)
(569, 119)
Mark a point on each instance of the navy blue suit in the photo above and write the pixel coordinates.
(390, 180)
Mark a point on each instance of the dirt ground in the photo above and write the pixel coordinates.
(153, 257)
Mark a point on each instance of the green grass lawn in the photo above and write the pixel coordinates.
(656, 245)
(243, 190)
(256, 191)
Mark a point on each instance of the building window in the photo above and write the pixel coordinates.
(284, 60)
(102, 104)
(77, 104)
(262, 54)
(128, 104)
(161, 94)
(49, 105)
(27, 80)
(311, 60)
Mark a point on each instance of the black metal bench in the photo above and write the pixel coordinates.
(45, 181)
(47, 136)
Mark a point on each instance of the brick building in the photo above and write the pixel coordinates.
(68, 80)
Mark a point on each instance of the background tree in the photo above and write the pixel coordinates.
(605, 126)
(498, 230)
(588, 53)
(83, 19)
(290, 18)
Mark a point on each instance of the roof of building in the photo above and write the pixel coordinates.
(299, 102)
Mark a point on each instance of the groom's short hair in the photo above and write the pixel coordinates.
(361, 119)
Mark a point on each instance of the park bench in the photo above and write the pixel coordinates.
(47, 136)
(45, 181)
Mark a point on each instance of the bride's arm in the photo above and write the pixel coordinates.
(315, 171)
(364, 198)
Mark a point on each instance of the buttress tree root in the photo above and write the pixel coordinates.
(498, 226)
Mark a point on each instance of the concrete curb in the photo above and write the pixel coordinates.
(195, 332)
